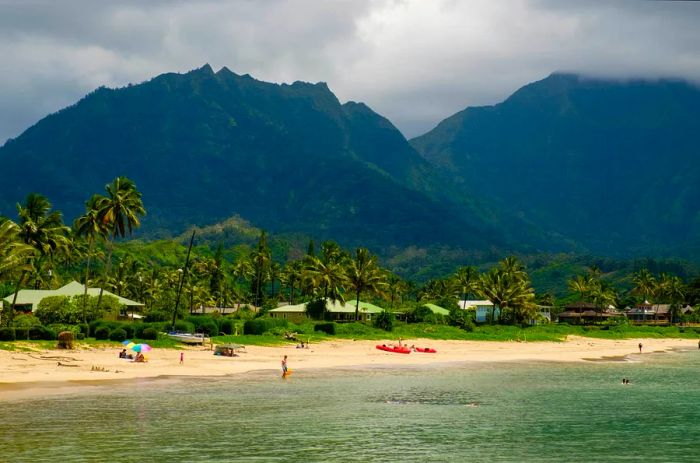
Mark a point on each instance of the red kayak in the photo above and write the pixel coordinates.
(396, 350)
(427, 350)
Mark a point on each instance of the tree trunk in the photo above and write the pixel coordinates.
(357, 306)
(11, 315)
(85, 292)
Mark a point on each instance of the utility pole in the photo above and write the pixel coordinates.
(182, 281)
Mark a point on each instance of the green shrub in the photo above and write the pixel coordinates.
(150, 334)
(21, 333)
(257, 326)
(80, 336)
(40, 332)
(206, 325)
(461, 318)
(7, 334)
(60, 327)
(185, 326)
(25, 320)
(156, 326)
(418, 315)
(384, 321)
(226, 325)
(316, 309)
(102, 333)
(328, 328)
(435, 319)
(128, 329)
(118, 335)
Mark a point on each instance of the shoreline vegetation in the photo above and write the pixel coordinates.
(227, 295)
(36, 371)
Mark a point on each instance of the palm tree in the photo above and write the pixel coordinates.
(92, 228)
(583, 285)
(260, 259)
(120, 212)
(291, 275)
(364, 275)
(40, 228)
(14, 254)
(672, 290)
(644, 283)
(273, 271)
(602, 298)
(467, 279)
(329, 277)
(396, 287)
(508, 287)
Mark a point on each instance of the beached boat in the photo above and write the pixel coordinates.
(426, 350)
(188, 338)
(394, 349)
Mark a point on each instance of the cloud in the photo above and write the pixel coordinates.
(414, 62)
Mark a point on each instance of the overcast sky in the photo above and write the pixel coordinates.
(414, 61)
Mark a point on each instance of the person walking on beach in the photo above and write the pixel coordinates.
(640, 347)
(284, 366)
(182, 358)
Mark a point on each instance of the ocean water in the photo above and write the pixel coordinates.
(475, 412)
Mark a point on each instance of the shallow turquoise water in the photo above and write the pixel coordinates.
(496, 412)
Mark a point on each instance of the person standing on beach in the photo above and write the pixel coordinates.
(182, 358)
(284, 366)
(640, 347)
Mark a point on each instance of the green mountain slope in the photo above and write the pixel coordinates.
(204, 146)
(613, 165)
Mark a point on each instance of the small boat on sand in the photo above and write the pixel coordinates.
(188, 338)
(426, 350)
(394, 349)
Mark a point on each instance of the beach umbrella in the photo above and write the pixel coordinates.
(142, 348)
(130, 345)
(126, 342)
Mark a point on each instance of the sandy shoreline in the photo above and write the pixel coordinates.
(35, 374)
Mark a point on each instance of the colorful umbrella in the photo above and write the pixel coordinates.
(142, 348)
(127, 342)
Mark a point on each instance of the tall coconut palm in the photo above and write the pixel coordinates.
(291, 275)
(672, 290)
(327, 277)
(644, 284)
(467, 280)
(15, 256)
(508, 288)
(42, 229)
(396, 288)
(260, 259)
(120, 212)
(363, 274)
(91, 228)
(583, 285)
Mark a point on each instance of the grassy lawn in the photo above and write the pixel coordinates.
(360, 331)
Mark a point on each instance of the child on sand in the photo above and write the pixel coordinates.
(182, 358)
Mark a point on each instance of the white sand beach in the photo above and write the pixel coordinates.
(29, 374)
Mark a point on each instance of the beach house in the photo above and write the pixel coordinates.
(482, 307)
(335, 311)
(28, 299)
(654, 313)
(587, 312)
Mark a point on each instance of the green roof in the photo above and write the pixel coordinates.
(34, 296)
(437, 309)
(335, 307)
